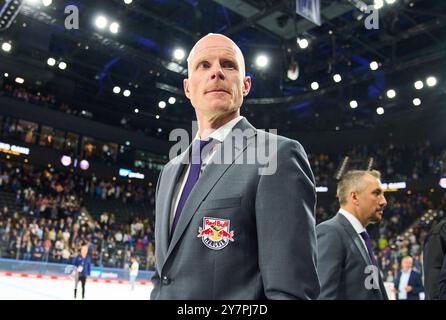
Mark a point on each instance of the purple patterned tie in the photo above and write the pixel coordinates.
(369, 244)
(192, 178)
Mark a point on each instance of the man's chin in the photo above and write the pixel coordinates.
(377, 217)
(220, 112)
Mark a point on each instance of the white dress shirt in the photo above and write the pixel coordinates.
(219, 136)
(404, 281)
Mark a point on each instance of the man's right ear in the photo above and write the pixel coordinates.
(186, 88)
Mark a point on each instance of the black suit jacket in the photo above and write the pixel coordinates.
(414, 281)
(442, 281)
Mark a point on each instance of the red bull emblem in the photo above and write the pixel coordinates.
(215, 233)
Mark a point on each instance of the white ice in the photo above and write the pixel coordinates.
(18, 288)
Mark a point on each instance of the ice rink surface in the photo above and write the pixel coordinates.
(20, 288)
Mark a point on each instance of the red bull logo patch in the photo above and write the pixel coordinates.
(215, 233)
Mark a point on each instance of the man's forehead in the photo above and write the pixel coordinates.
(211, 45)
(212, 51)
(373, 181)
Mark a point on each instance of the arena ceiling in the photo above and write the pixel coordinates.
(409, 45)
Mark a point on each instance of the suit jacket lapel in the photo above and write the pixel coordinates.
(171, 174)
(365, 255)
(210, 176)
(355, 237)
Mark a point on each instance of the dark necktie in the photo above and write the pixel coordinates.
(192, 178)
(369, 244)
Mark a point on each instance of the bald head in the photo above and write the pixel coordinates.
(216, 83)
(215, 41)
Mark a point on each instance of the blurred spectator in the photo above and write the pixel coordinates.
(408, 283)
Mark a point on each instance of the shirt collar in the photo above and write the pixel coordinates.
(353, 220)
(407, 272)
(221, 133)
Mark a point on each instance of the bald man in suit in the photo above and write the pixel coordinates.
(223, 230)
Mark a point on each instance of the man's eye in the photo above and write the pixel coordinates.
(229, 65)
(204, 65)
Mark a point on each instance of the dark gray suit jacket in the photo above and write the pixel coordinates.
(442, 281)
(273, 255)
(341, 263)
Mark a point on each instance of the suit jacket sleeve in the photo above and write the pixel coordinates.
(88, 265)
(330, 260)
(285, 222)
(156, 278)
(442, 281)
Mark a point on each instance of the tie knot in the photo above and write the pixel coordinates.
(365, 236)
(203, 143)
(197, 150)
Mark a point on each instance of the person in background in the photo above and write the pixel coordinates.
(134, 268)
(345, 249)
(408, 283)
(83, 268)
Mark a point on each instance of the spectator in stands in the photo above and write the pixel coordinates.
(408, 284)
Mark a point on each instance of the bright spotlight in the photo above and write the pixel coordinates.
(157, 117)
(126, 93)
(262, 61)
(128, 1)
(374, 65)
(19, 80)
(419, 85)
(162, 104)
(380, 110)
(116, 89)
(136, 110)
(31, 2)
(51, 62)
(416, 102)
(391, 94)
(84, 165)
(378, 4)
(172, 100)
(353, 104)
(431, 81)
(179, 54)
(101, 22)
(114, 27)
(6, 74)
(337, 77)
(62, 65)
(390, 1)
(47, 3)
(314, 85)
(303, 43)
(6, 47)
(66, 160)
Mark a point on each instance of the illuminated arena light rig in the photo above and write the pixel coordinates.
(8, 13)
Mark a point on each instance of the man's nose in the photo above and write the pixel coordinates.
(383, 201)
(217, 72)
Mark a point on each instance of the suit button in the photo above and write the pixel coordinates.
(166, 281)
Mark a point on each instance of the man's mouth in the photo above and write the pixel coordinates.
(217, 91)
